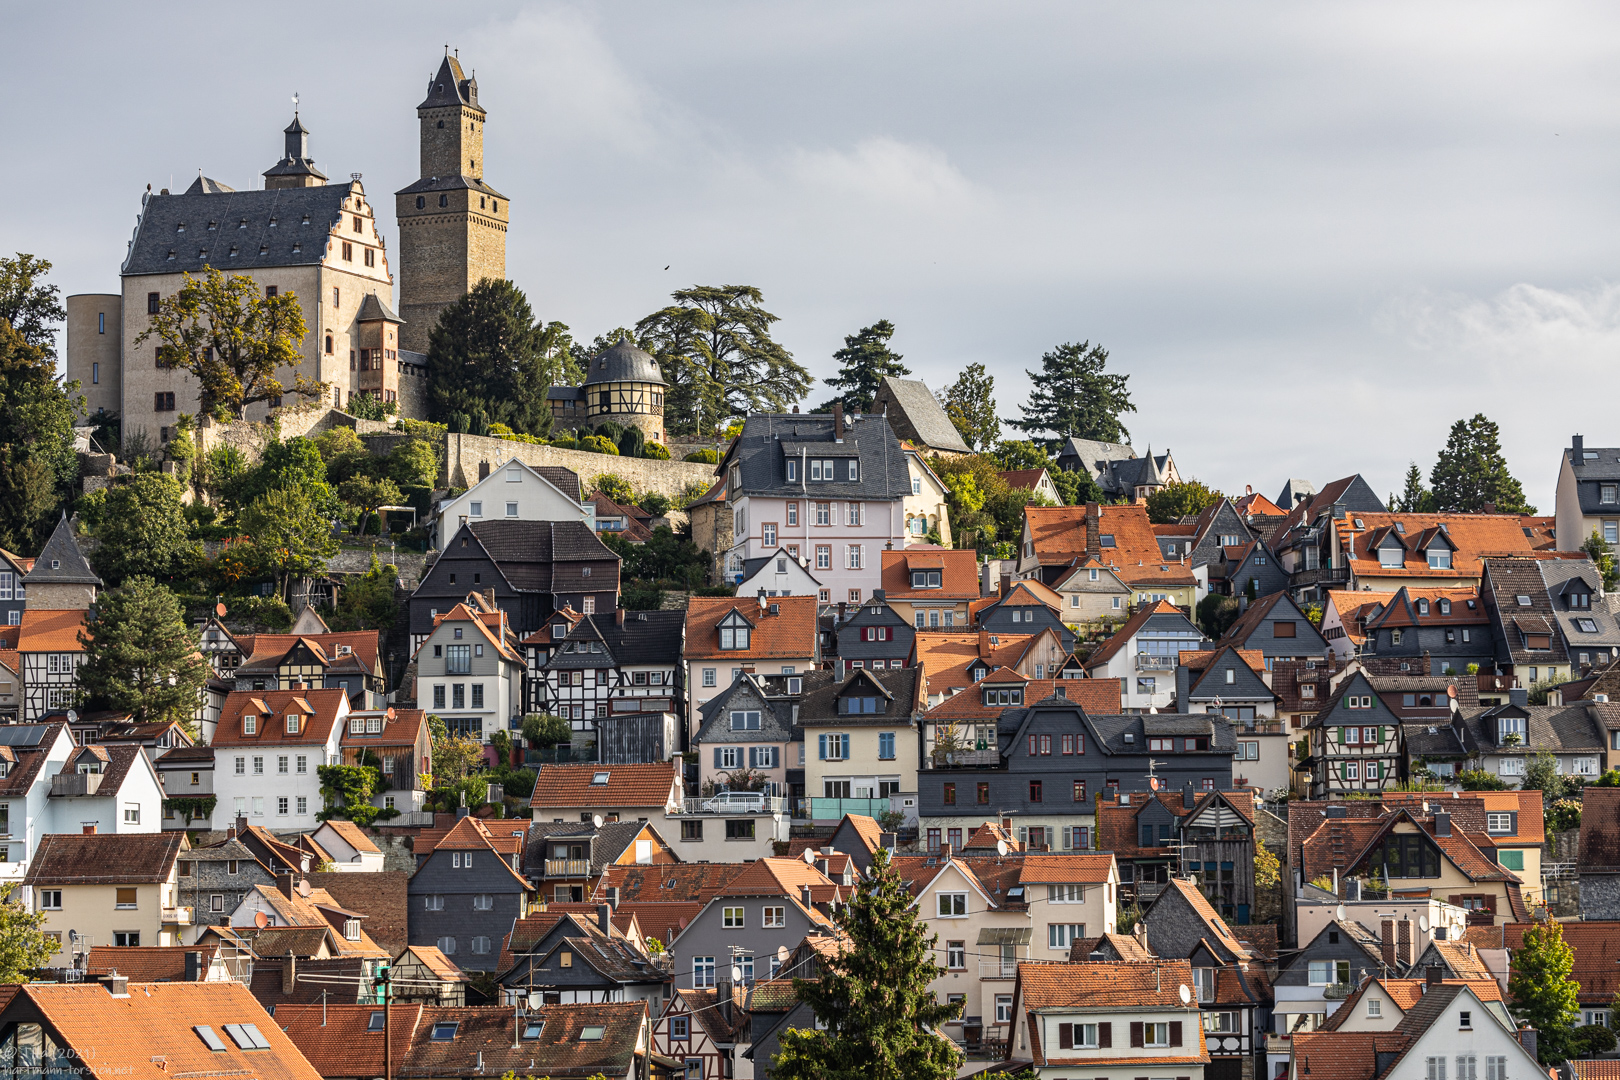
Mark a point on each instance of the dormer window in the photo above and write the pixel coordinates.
(854, 706)
(1440, 558)
(734, 632)
(250, 724)
(292, 723)
(1607, 493)
(1423, 606)
(925, 579)
(1445, 606)
(1391, 555)
(1509, 728)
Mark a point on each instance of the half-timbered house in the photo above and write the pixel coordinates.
(593, 667)
(49, 645)
(1354, 745)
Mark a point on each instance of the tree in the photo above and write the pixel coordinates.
(1074, 396)
(24, 943)
(291, 536)
(875, 1014)
(369, 602)
(31, 307)
(970, 402)
(1480, 780)
(544, 729)
(1541, 774)
(234, 339)
(614, 487)
(1603, 558)
(490, 359)
(1267, 868)
(288, 464)
(142, 529)
(715, 347)
(365, 494)
(37, 464)
(1216, 614)
(864, 362)
(1471, 472)
(1414, 498)
(1075, 486)
(1542, 991)
(1175, 501)
(1016, 454)
(140, 656)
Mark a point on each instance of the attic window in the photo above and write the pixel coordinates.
(1524, 601)
(1359, 525)
(1400, 527)
(1586, 626)
(445, 1030)
(1106, 540)
(1445, 606)
(210, 1038)
(247, 1036)
(533, 1028)
(377, 1021)
(600, 778)
(592, 1033)
(306, 219)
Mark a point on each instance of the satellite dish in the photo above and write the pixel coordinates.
(73, 937)
(219, 609)
(1186, 994)
(261, 920)
(1153, 782)
(782, 954)
(534, 1000)
(1423, 924)
(597, 820)
(736, 973)
(303, 888)
(1001, 847)
(1338, 913)
(809, 856)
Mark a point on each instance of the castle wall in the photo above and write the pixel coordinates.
(465, 453)
(93, 357)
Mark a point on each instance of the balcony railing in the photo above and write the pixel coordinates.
(715, 804)
(998, 969)
(180, 916)
(835, 809)
(568, 868)
(1149, 662)
(1258, 727)
(958, 759)
(71, 785)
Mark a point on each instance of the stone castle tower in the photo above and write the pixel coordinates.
(452, 225)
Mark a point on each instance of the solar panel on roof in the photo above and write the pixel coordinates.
(22, 735)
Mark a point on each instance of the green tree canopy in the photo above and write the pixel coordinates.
(875, 1013)
(235, 340)
(1074, 395)
(1542, 991)
(1603, 558)
(291, 463)
(37, 464)
(970, 402)
(1471, 472)
(364, 494)
(369, 602)
(1414, 497)
(291, 535)
(1015, 454)
(1172, 502)
(24, 944)
(1075, 487)
(142, 529)
(140, 655)
(489, 358)
(32, 307)
(715, 347)
(864, 362)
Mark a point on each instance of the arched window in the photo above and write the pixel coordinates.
(328, 344)
(444, 200)
(420, 202)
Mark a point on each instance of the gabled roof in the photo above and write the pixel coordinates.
(1153, 986)
(1078, 868)
(789, 633)
(104, 858)
(1471, 536)
(147, 963)
(320, 709)
(922, 409)
(1347, 1055)
(61, 561)
(666, 882)
(1105, 652)
(1101, 696)
(44, 630)
(1125, 542)
(644, 785)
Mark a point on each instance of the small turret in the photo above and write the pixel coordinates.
(296, 168)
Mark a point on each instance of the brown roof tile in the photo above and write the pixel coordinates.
(146, 963)
(104, 858)
(667, 882)
(380, 896)
(645, 785)
(51, 631)
(319, 709)
(1597, 956)
(789, 634)
(1345, 1055)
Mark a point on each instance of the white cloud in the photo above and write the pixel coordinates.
(888, 172)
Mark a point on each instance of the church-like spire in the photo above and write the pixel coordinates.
(296, 168)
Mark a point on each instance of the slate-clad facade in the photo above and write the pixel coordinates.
(1277, 628)
(1448, 626)
(1354, 745)
(465, 897)
(875, 636)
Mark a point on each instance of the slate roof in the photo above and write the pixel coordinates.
(304, 222)
(923, 410)
(546, 556)
(1600, 830)
(1559, 575)
(644, 638)
(646, 785)
(71, 567)
(606, 843)
(1276, 606)
(1575, 727)
(768, 439)
(623, 362)
(104, 858)
(116, 760)
(903, 688)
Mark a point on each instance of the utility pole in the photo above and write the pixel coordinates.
(388, 1025)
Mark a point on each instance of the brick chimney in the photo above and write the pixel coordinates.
(289, 972)
(284, 882)
(89, 830)
(1403, 943)
(1093, 531)
(603, 919)
(1386, 942)
(838, 421)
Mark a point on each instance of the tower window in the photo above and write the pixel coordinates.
(328, 344)
(152, 303)
(348, 251)
(270, 291)
(495, 205)
(371, 257)
(471, 164)
(441, 122)
(480, 202)
(357, 226)
(337, 301)
(444, 200)
(351, 359)
(420, 202)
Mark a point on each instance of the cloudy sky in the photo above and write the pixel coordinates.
(1313, 235)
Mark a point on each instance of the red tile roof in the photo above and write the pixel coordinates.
(51, 631)
(338, 1040)
(787, 635)
(318, 708)
(1066, 869)
(1475, 536)
(1345, 1055)
(667, 882)
(1023, 478)
(1059, 534)
(146, 963)
(1105, 652)
(568, 786)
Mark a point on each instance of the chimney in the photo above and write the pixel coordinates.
(618, 616)
(193, 966)
(89, 830)
(839, 669)
(118, 985)
(1093, 531)
(945, 850)
(489, 597)
(1527, 1034)
(1433, 975)
(838, 421)
(795, 410)
(284, 882)
(603, 920)
(722, 985)
(1403, 942)
(241, 826)
(1386, 942)
(289, 972)
(1520, 696)
(842, 606)
(804, 896)
(1006, 583)
(1442, 824)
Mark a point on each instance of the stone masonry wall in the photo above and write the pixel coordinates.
(464, 453)
(251, 437)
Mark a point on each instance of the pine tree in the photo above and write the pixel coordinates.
(1471, 472)
(1543, 992)
(489, 357)
(864, 362)
(1414, 498)
(873, 997)
(970, 402)
(1074, 396)
(140, 656)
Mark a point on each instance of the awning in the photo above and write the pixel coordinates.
(1005, 935)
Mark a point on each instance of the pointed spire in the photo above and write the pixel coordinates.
(296, 168)
(61, 560)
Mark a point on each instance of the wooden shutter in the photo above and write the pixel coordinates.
(1457, 900)
(1105, 1035)
(1065, 1036)
(1341, 735)
(717, 757)
(1175, 1033)
(1490, 903)
(1136, 1033)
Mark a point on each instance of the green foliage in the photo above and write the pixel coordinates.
(1541, 774)
(1414, 498)
(1127, 918)
(365, 494)
(1590, 1041)
(1015, 454)
(863, 363)
(1075, 396)
(1542, 991)
(517, 783)
(1267, 868)
(223, 475)
(631, 442)
(1610, 778)
(347, 790)
(31, 307)
(1603, 558)
(703, 457)
(655, 451)
(38, 467)
(142, 529)
(641, 596)
(342, 450)
(614, 487)
(235, 340)
(370, 602)
(366, 407)
(1075, 488)
(716, 352)
(294, 464)
(413, 464)
(668, 556)
(873, 999)
(1175, 501)
(970, 402)
(24, 944)
(491, 360)
(1216, 614)
(1480, 780)
(1563, 815)
(291, 535)
(192, 808)
(141, 656)
(544, 729)
(655, 503)
(1471, 472)
(598, 444)
(267, 613)
(501, 743)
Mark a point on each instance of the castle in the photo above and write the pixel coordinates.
(301, 234)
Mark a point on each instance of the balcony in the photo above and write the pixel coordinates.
(735, 806)
(835, 809)
(1326, 575)
(75, 785)
(1006, 968)
(176, 916)
(568, 868)
(964, 759)
(1258, 727)
(1147, 662)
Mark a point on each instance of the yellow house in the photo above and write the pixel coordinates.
(860, 740)
(108, 889)
(1410, 849)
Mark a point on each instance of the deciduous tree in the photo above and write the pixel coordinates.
(864, 362)
(292, 536)
(490, 358)
(715, 347)
(364, 494)
(876, 1017)
(24, 944)
(1172, 502)
(142, 529)
(140, 656)
(235, 339)
(1075, 395)
(1542, 991)
(970, 402)
(32, 307)
(1603, 558)
(1471, 472)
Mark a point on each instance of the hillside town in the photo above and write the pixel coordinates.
(501, 703)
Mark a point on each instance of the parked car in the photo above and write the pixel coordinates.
(736, 802)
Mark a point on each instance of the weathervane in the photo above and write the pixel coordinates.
(295, 104)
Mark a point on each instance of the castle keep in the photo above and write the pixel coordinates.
(304, 235)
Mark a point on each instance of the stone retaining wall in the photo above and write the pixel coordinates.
(465, 453)
(252, 436)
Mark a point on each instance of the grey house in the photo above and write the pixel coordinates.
(608, 665)
(1223, 682)
(1022, 612)
(568, 958)
(1116, 469)
(1312, 982)
(1528, 642)
(465, 897)
(213, 880)
(916, 416)
(1450, 627)
(773, 903)
(1278, 629)
(747, 730)
(1253, 571)
(875, 636)
(1589, 626)
(1306, 543)
(13, 594)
